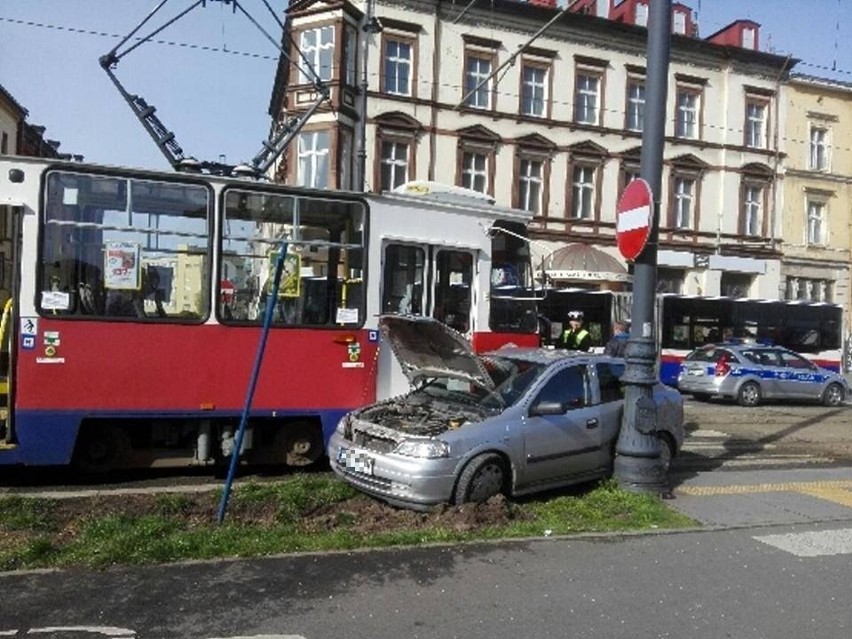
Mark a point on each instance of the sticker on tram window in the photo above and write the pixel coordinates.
(346, 316)
(55, 300)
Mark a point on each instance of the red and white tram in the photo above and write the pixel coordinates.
(134, 303)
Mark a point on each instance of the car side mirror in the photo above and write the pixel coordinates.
(547, 408)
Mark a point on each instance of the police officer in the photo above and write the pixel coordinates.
(575, 337)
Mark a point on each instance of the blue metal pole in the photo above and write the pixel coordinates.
(258, 360)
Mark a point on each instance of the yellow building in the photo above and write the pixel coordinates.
(817, 211)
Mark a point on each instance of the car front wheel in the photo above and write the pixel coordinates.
(666, 451)
(749, 394)
(833, 395)
(482, 478)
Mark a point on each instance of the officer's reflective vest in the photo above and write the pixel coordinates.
(575, 338)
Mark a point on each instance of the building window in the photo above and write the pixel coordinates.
(530, 183)
(756, 124)
(583, 190)
(345, 170)
(687, 116)
(670, 280)
(477, 88)
(753, 206)
(684, 195)
(736, 285)
(350, 55)
(635, 110)
(587, 97)
(629, 171)
(818, 149)
(4, 143)
(816, 223)
(398, 60)
(800, 288)
(313, 159)
(394, 164)
(317, 46)
(533, 90)
(475, 171)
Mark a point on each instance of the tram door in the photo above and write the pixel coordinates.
(431, 280)
(10, 265)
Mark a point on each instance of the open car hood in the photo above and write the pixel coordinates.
(428, 348)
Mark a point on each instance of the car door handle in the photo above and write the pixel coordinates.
(591, 423)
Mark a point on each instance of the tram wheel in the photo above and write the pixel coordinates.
(100, 448)
(302, 443)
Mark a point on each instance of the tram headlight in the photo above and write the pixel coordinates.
(423, 448)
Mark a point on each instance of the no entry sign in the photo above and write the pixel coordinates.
(633, 219)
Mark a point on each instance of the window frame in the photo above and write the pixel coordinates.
(753, 127)
(393, 162)
(314, 154)
(584, 70)
(631, 104)
(521, 178)
(681, 124)
(546, 87)
(488, 89)
(677, 197)
(314, 59)
(812, 203)
(591, 188)
(399, 38)
(819, 150)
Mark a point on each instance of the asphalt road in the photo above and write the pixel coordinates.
(772, 561)
(770, 430)
(744, 583)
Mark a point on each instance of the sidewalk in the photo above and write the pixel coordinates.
(753, 498)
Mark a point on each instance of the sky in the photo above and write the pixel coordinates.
(211, 79)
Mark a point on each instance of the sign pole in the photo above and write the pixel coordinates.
(638, 465)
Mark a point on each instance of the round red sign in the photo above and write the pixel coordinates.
(633, 219)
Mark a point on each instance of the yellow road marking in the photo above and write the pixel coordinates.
(838, 492)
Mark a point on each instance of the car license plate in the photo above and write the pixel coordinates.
(696, 371)
(355, 460)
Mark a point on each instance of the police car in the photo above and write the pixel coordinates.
(750, 373)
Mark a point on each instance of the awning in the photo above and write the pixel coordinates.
(574, 262)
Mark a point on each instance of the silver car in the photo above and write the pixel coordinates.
(751, 373)
(515, 421)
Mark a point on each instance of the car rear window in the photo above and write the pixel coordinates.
(709, 355)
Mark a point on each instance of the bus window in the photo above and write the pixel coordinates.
(321, 279)
(117, 247)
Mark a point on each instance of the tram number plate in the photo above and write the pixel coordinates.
(355, 460)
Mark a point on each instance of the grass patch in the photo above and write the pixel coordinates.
(312, 512)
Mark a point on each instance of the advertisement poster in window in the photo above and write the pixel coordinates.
(122, 266)
(290, 285)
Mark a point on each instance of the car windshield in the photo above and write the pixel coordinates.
(512, 377)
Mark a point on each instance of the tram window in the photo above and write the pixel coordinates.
(453, 279)
(124, 248)
(512, 308)
(322, 272)
(402, 280)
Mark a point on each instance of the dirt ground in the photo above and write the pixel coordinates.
(359, 515)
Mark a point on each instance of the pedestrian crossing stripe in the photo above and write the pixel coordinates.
(836, 491)
(821, 543)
